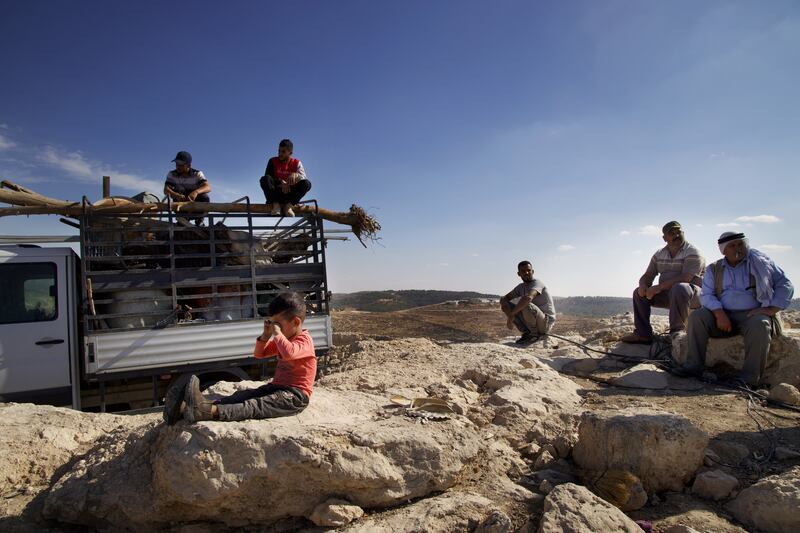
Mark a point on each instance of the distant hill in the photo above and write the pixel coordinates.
(399, 300)
(588, 306)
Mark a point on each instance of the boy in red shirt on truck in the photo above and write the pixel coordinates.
(290, 389)
(284, 181)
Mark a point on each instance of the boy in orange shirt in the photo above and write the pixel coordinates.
(290, 389)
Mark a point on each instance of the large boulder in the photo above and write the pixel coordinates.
(571, 508)
(260, 471)
(772, 504)
(727, 355)
(662, 449)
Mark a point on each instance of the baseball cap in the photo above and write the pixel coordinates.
(672, 224)
(183, 157)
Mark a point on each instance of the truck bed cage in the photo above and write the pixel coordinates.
(145, 271)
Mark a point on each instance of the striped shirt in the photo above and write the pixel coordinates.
(185, 183)
(687, 260)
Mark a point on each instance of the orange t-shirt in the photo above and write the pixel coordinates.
(297, 362)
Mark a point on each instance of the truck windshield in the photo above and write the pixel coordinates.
(28, 293)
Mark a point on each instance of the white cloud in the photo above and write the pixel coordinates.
(565, 248)
(624, 232)
(444, 264)
(728, 225)
(698, 225)
(717, 155)
(76, 165)
(4, 126)
(776, 247)
(650, 230)
(769, 219)
(6, 143)
(474, 254)
(636, 252)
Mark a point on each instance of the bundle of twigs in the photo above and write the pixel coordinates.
(28, 202)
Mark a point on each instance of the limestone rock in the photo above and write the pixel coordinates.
(783, 362)
(771, 504)
(448, 512)
(260, 471)
(783, 392)
(335, 513)
(714, 485)
(571, 508)
(649, 376)
(662, 449)
(497, 522)
(729, 452)
(37, 440)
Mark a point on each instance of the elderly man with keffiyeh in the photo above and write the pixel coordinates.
(742, 294)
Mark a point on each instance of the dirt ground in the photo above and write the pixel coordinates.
(728, 417)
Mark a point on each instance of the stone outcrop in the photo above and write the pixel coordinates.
(241, 473)
(662, 449)
(350, 444)
(772, 504)
(727, 355)
(571, 508)
(714, 485)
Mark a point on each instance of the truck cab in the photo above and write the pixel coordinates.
(38, 324)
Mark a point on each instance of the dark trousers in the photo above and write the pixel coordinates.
(267, 401)
(274, 194)
(677, 300)
(757, 332)
(202, 197)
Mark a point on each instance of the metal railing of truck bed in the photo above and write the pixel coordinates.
(157, 270)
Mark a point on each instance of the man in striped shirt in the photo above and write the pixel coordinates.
(186, 184)
(679, 266)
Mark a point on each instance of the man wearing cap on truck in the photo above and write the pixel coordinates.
(187, 184)
(679, 266)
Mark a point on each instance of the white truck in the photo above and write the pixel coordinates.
(149, 300)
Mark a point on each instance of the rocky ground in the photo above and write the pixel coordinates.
(548, 437)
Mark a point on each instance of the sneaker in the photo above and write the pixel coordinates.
(274, 208)
(527, 338)
(172, 402)
(197, 407)
(633, 338)
(287, 210)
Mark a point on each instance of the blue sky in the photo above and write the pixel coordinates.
(478, 133)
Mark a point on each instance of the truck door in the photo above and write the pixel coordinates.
(34, 330)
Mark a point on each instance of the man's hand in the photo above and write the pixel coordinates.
(642, 291)
(191, 196)
(650, 292)
(510, 323)
(768, 311)
(723, 322)
(285, 187)
(294, 177)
